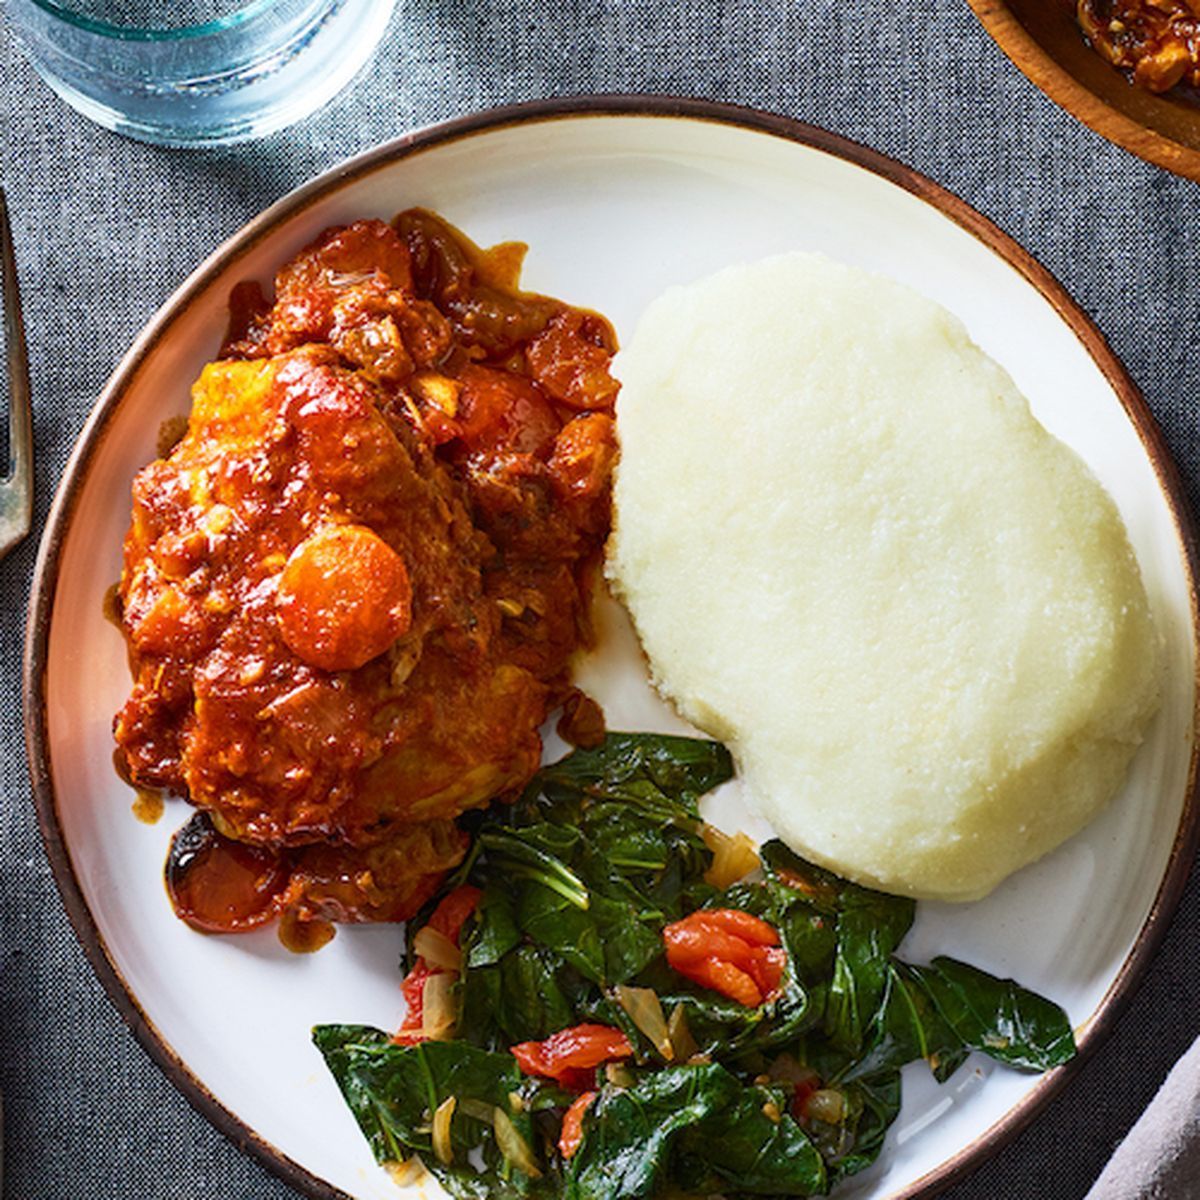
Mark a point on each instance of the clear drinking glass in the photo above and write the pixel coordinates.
(197, 72)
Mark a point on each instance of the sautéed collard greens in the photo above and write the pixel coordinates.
(582, 1018)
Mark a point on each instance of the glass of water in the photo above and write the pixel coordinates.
(197, 72)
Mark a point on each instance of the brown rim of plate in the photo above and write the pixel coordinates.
(48, 564)
(1043, 41)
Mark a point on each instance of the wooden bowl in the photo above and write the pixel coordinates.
(1043, 39)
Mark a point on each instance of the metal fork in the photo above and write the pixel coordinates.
(16, 488)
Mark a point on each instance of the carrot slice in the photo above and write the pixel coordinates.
(344, 598)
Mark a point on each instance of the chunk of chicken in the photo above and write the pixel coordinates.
(351, 591)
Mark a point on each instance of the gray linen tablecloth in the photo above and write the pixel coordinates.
(107, 228)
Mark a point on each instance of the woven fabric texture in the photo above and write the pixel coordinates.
(107, 228)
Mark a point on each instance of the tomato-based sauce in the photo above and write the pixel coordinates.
(352, 587)
(148, 806)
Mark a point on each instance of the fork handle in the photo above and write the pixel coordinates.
(20, 421)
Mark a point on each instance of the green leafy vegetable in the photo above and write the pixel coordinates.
(394, 1091)
(1006, 1021)
(631, 1133)
(907, 1027)
(753, 1146)
(578, 880)
(697, 1124)
(868, 926)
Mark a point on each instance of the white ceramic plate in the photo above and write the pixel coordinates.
(617, 199)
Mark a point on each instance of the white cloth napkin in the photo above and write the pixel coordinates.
(1160, 1157)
